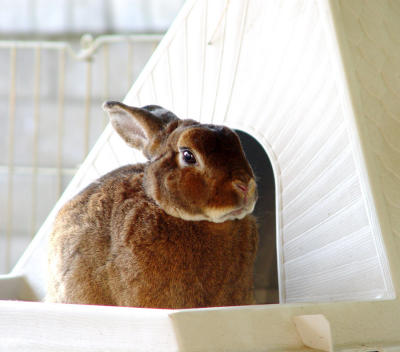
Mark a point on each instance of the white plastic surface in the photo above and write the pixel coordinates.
(317, 84)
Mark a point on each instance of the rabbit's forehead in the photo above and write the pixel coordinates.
(209, 139)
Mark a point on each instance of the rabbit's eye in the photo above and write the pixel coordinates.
(188, 157)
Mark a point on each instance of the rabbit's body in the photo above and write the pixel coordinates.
(150, 259)
(117, 243)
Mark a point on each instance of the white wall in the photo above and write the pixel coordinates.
(75, 16)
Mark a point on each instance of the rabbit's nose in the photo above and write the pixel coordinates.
(241, 186)
(245, 189)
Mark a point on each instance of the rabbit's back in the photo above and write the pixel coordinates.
(113, 245)
(80, 243)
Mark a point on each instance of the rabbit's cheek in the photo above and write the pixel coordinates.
(222, 201)
(193, 187)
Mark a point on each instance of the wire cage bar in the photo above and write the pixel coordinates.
(39, 76)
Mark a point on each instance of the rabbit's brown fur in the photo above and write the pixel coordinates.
(158, 234)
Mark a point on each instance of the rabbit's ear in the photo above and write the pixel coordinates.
(137, 126)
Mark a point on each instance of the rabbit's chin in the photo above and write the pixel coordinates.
(214, 214)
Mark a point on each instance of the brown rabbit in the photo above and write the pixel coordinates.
(174, 232)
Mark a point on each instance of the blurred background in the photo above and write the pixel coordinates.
(59, 60)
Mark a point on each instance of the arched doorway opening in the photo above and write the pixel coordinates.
(265, 270)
